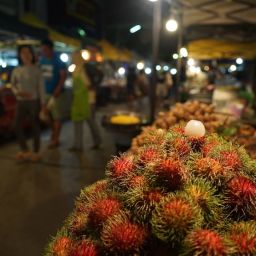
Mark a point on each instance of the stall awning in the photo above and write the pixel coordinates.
(205, 49)
(54, 35)
(110, 52)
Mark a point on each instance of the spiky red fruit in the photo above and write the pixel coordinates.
(205, 242)
(84, 248)
(171, 173)
(243, 235)
(196, 143)
(148, 155)
(241, 196)
(153, 196)
(178, 129)
(231, 160)
(209, 168)
(103, 209)
(120, 167)
(142, 201)
(174, 217)
(90, 194)
(139, 180)
(78, 223)
(208, 147)
(123, 237)
(62, 246)
(181, 146)
(244, 244)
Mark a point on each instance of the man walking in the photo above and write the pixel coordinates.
(54, 73)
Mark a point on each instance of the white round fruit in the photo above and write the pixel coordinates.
(195, 128)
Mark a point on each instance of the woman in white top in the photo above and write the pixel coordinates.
(27, 85)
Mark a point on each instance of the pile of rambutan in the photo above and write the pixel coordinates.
(178, 195)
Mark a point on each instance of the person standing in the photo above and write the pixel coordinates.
(82, 105)
(54, 73)
(142, 93)
(27, 85)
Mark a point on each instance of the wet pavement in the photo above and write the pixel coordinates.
(36, 198)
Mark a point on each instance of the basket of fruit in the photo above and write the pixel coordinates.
(123, 126)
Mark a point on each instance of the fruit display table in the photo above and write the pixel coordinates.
(183, 192)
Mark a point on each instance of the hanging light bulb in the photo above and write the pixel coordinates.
(171, 25)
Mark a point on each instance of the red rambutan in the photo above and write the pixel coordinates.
(148, 155)
(196, 143)
(241, 196)
(85, 248)
(243, 236)
(174, 217)
(103, 209)
(181, 146)
(90, 194)
(231, 160)
(205, 196)
(205, 242)
(208, 147)
(170, 173)
(62, 246)
(178, 130)
(119, 168)
(208, 167)
(138, 180)
(78, 223)
(122, 237)
(142, 201)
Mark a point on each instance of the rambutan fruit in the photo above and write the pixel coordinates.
(149, 136)
(230, 160)
(240, 197)
(243, 236)
(181, 146)
(174, 217)
(91, 193)
(137, 181)
(208, 147)
(205, 242)
(103, 209)
(77, 223)
(85, 248)
(119, 168)
(122, 237)
(196, 143)
(141, 201)
(148, 156)
(62, 246)
(178, 130)
(209, 168)
(170, 173)
(204, 195)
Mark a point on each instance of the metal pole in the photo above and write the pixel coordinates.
(179, 62)
(157, 16)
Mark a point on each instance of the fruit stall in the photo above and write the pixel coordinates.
(181, 190)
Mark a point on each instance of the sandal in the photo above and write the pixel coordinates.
(35, 157)
(23, 156)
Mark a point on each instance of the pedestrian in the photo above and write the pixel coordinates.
(131, 80)
(82, 105)
(142, 94)
(54, 73)
(27, 85)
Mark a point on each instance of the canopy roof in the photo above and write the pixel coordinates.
(218, 11)
(219, 49)
(110, 52)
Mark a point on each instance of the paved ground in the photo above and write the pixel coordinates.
(35, 198)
